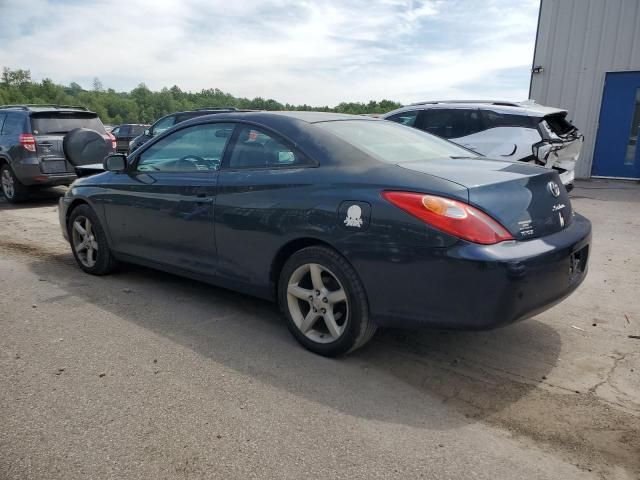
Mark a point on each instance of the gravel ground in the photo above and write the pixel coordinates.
(146, 375)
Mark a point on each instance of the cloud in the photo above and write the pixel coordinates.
(309, 51)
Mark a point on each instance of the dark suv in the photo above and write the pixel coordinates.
(125, 133)
(42, 145)
(168, 121)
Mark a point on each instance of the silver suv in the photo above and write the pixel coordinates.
(524, 131)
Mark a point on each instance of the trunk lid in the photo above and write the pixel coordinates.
(521, 197)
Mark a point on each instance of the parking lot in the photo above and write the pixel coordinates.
(146, 375)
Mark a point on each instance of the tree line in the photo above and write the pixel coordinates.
(142, 105)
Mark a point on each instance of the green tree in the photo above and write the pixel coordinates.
(142, 105)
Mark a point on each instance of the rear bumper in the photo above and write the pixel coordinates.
(31, 175)
(470, 286)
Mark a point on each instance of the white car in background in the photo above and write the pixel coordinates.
(524, 131)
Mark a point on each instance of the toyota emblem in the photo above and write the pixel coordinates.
(554, 189)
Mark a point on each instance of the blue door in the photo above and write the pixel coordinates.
(617, 153)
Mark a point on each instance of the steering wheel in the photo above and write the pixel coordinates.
(188, 160)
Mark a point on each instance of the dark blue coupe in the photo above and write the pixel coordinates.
(349, 222)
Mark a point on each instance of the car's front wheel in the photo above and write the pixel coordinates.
(12, 189)
(89, 242)
(324, 302)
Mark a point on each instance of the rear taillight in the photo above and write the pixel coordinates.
(28, 141)
(113, 140)
(451, 216)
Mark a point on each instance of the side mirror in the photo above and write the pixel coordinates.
(116, 162)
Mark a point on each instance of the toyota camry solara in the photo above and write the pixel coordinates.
(349, 223)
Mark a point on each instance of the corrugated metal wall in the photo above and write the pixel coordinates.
(578, 42)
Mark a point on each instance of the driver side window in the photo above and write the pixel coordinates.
(192, 149)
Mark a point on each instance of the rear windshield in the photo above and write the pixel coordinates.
(393, 143)
(59, 122)
(131, 130)
(559, 124)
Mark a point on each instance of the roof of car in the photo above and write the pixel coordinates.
(305, 116)
(40, 107)
(315, 117)
(213, 110)
(528, 107)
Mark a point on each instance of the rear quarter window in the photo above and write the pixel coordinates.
(14, 124)
(493, 119)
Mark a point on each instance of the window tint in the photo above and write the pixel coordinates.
(2, 117)
(115, 132)
(163, 124)
(256, 149)
(405, 118)
(62, 122)
(192, 149)
(393, 143)
(450, 123)
(494, 119)
(13, 124)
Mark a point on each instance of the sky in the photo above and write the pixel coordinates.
(318, 52)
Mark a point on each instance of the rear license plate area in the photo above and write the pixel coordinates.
(53, 166)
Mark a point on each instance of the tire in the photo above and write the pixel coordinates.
(340, 323)
(12, 190)
(83, 146)
(91, 251)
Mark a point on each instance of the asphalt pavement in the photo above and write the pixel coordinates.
(143, 374)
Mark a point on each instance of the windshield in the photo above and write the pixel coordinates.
(393, 143)
(59, 122)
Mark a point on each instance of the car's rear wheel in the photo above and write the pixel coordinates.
(324, 302)
(89, 242)
(12, 190)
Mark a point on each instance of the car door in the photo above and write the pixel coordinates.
(261, 193)
(161, 209)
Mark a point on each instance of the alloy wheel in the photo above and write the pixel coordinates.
(84, 241)
(8, 186)
(317, 303)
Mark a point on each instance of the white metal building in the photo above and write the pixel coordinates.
(587, 60)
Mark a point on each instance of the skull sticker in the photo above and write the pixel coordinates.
(354, 217)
